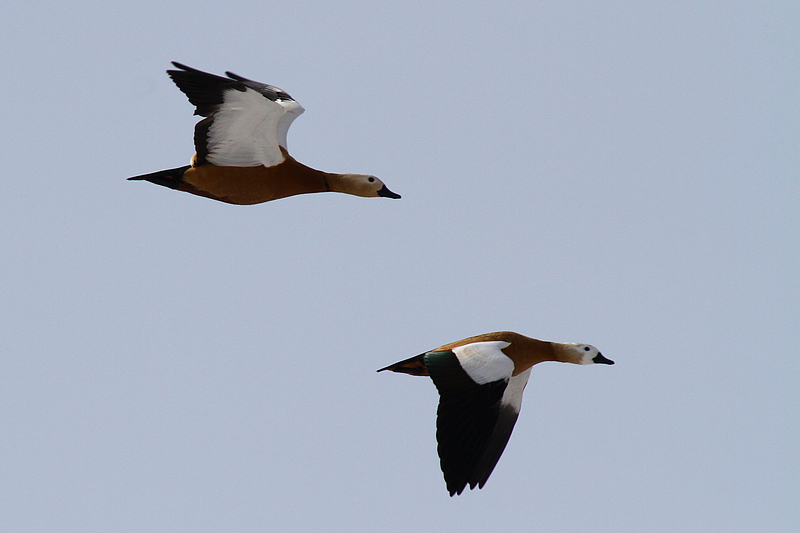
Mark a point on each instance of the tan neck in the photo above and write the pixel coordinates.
(313, 180)
(337, 182)
(527, 352)
(566, 353)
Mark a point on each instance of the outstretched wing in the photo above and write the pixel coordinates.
(246, 121)
(478, 407)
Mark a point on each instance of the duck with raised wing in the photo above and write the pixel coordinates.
(480, 382)
(241, 155)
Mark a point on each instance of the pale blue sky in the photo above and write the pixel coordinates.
(624, 174)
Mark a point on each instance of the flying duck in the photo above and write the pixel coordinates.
(241, 155)
(480, 382)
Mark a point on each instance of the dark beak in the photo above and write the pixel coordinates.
(600, 360)
(386, 193)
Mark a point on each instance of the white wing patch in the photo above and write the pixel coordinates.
(292, 110)
(513, 394)
(485, 362)
(247, 129)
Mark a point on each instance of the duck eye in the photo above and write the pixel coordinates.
(586, 348)
(370, 179)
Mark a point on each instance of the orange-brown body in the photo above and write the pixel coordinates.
(523, 351)
(254, 185)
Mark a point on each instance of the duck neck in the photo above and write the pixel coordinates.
(313, 180)
(565, 353)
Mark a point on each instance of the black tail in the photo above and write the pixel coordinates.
(171, 178)
(414, 366)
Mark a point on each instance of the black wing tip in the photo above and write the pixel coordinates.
(269, 91)
(238, 82)
(183, 68)
(456, 489)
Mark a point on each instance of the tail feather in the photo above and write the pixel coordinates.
(172, 178)
(415, 366)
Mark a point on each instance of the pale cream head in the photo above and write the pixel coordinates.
(360, 185)
(584, 354)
